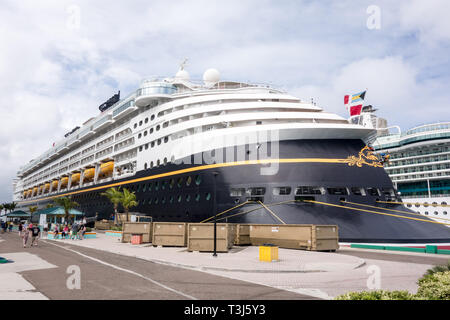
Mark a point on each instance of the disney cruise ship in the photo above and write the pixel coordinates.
(250, 153)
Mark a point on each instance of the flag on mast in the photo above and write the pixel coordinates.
(353, 104)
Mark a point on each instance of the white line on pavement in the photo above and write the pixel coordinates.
(126, 270)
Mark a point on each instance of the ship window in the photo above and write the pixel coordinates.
(145, 166)
(435, 213)
(358, 191)
(198, 179)
(237, 192)
(146, 120)
(158, 163)
(434, 204)
(417, 205)
(152, 117)
(152, 144)
(309, 190)
(146, 146)
(165, 124)
(151, 164)
(156, 185)
(425, 204)
(140, 123)
(180, 182)
(188, 181)
(145, 133)
(444, 203)
(144, 187)
(373, 191)
(164, 184)
(280, 191)
(158, 127)
(179, 198)
(171, 199)
(151, 130)
(150, 185)
(444, 213)
(337, 191)
(166, 139)
(159, 142)
(188, 197)
(172, 183)
(256, 191)
(139, 135)
(426, 213)
(165, 161)
(258, 122)
(156, 201)
(135, 125)
(140, 149)
(208, 196)
(163, 200)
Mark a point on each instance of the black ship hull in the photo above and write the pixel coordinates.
(242, 194)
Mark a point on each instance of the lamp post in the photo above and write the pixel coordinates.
(215, 174)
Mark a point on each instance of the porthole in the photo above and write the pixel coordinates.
(179, 198)
(208, 196)
(152, 117)
(198, 180)
(158, 163)
(146, 146)
(434, 204)
(188, 197)
(165, 161)
(156, 185)
(139, 135)
(146, 120)
(172, 183)
(426, 205)
(426, 213)
(156, 201)
(163, 184)
(158, 127)
(145, 166)
(152, 144)
(166, 139)
(151, 164)
(151, 130)
(444, 213)
(140, 123)
(171, 199)
(145, 133)
(180, 182)
(163, 200)
(188, 181)
(150, 186)
(443, 203)
(135, 125)
(140, 149)
(149, 200)
(197, 197)
(435, 213)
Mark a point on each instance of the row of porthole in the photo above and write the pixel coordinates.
(435, 213)
(172, 199)
(167, 184)
(426, 204)
(153, 143)
(145, 121)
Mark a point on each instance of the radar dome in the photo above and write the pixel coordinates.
(211, 76)
(182, 75)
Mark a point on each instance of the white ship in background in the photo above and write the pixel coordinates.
(418, 161)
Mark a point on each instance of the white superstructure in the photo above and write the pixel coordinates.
(168, 119)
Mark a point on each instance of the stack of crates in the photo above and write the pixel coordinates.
(138, 228)
(201, 237)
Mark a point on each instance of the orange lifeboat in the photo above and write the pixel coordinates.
(55, 185)
(24, 194)
(41, 188)
(64, 182)
(29, 193)
(89, 174)
(76, 178)
(46, 187)
(35, 190)
(106, 168)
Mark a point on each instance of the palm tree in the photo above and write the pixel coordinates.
(6, 206)
(12, 206)
(49, 205)
(115, 196)
(128, 201)
(32, 210)
(67, 203)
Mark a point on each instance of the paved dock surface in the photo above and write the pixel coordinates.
(105, 275)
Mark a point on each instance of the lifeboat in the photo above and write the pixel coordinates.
(55, 184)
(89, 174)
(76, 178)
(46, 187)
(41, 188)
(64, 182)
(35, 190)
(107, 168)
(29, 193)
(25, 194)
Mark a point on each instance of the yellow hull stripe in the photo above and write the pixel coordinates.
(195, 169)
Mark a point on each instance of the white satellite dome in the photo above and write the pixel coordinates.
(182, 75)
(211, 76)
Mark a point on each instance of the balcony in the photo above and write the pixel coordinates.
(153, 90)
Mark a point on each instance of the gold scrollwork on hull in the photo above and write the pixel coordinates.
(365, 157)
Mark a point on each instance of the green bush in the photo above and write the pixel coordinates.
(88, 229)
(435, 269)
(435, 286)
(116, 228)
(377, 295)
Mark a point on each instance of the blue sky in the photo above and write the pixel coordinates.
(60, 59)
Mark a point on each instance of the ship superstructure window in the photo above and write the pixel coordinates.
(341, 191)
(358, 191)
(309, 190)
(282, 191)
(258, 191)
(237, 192)
(373, 192)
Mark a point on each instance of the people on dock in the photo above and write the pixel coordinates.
(65, 232)
(34, 231)
(82, 231)
(20, 228)
(74, 231)
(25, 235)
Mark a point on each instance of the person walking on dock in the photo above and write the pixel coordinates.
(35, 231)
(20, 227)
(26, 233)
